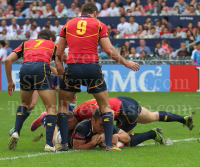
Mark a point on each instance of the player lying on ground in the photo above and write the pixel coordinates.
(127, 113)
(89, 133)
(82, 35)
(34, 75)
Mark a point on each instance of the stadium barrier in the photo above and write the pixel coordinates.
(150, 78)
(151, 43)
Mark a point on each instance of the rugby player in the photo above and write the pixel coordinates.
(89, 133)
(127, 113)
(34, 75)
(82, 35)
(56, 83)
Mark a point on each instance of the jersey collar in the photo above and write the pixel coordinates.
(86, 16)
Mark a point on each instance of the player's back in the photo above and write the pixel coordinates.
(86, 109)
(82, 35)
(38, 50)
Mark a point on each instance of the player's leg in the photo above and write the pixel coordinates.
(155, 134)
(146, 117)
(48, 97)
(104, 105)
(20, 117)
(30, 107)
(128, 117)
(64, 101)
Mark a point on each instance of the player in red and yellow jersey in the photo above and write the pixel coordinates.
(82, 35)
(34, 75)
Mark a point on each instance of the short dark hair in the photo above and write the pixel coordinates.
(180, 26)
(3, 43)
(158, 42)
(46, 34)
(144, 51)
(198, 43)
(166, 27)
(89, 8)
(166, 18)
(97, 114)
(123, 16)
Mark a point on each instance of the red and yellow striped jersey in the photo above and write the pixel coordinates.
(82, 35)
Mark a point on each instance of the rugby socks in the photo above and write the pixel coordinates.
(20, 118)
(138, 138)
(71, 107)
(170, 117)
(50, 127)
(63, 126)
(107, 119)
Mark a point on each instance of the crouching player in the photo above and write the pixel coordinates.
(89, 133)
(34, 75)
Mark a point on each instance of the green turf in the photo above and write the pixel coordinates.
(177, 155)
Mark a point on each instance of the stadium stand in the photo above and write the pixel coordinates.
(176, 22)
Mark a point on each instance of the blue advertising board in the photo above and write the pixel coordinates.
(150, 78)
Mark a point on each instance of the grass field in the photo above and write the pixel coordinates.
(181, 153)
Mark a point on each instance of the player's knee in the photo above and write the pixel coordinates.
(51, 109)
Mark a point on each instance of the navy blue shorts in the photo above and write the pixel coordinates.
(89, 75)
(56, 80)
(129, 112)
(35, 76)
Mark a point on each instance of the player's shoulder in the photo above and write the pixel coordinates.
(84, 125)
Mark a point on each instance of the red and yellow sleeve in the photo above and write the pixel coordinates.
(63, 32)
(103, 31)
(19, 50)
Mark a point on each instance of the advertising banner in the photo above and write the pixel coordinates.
(184, 78)
(150, 78)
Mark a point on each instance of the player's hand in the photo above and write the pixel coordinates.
(74, 99)
(132, 65)
(94, 139)
(115, 139)
(11, 87)
(101, 138)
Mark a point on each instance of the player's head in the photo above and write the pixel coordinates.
(2, 44)
(47, 34)
(97, 121)
(72, 121)
(90, 9)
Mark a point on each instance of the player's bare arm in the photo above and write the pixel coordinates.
(8, 64)
(122, 136)
(60, 55)
(113, 53)
(82, 145)
(53, 70)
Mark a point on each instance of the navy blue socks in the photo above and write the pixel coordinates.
(107, 119)
(138, 138)
(63, 126)
(170, 117)
(50, 127)
(20, 118)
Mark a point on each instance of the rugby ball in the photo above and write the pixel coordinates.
(119, 144)
(58, 138)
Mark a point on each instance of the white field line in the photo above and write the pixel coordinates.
(40, 154)
(36, 155)
(173, 141)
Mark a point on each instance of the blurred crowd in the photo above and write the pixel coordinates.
(108, 8)
(150, 29)
(163, 50)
